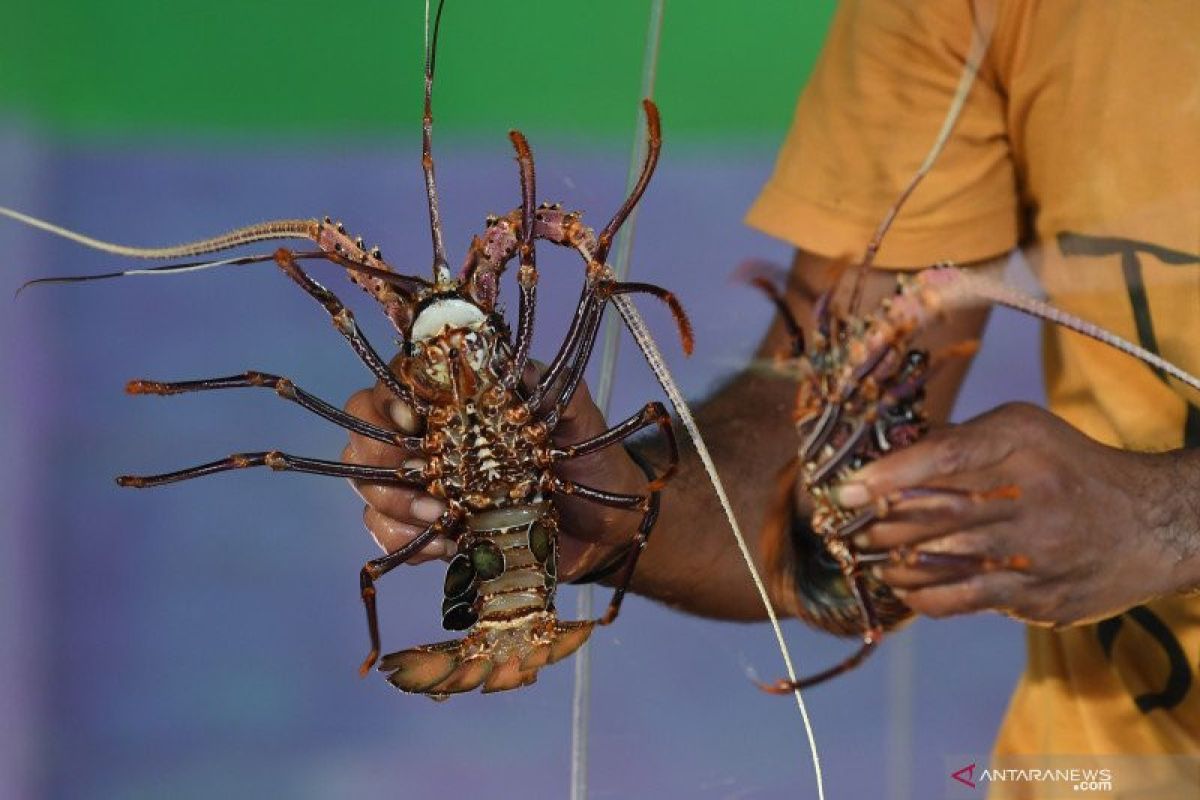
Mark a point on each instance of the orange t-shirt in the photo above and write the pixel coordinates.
(1080, 137)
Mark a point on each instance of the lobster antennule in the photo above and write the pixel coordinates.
(462, 665)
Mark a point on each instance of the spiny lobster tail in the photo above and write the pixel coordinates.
(441, 267)
(462, 665)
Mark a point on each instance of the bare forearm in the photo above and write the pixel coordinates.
(692, 561)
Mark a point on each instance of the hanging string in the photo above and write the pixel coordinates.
(581, 696)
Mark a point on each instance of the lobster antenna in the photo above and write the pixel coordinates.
(167, 269)
(965, 283)
(275, 229)
(402, 283)
(983, 23)
(441, 268)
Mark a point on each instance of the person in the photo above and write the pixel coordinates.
(1081, 141)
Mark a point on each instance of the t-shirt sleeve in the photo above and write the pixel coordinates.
(864, 123)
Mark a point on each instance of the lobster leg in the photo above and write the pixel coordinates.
(586, 336)
(640, 539)
(795, 332)
(915, 557)
(285, 389)
(609, 288)
(280, 462)
(647, 504)
(586, 316)
(630, 502)
(527, 275)
(574, 374)
(873, 633)
(343, 320)
(653, 147)
(652, 414)
(376, 568)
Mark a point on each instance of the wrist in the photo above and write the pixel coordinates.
(1173, 507)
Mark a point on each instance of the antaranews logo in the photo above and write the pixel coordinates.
(1056, 776)
(965, 776)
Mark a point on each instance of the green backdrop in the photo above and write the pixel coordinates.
(303, 66)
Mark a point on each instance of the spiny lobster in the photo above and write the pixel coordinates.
(487, 428)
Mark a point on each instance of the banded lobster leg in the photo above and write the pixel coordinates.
(651, 414)
(285, 389)
(446, 525)
(343, 320)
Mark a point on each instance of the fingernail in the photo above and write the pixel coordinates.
(861, 541)
(427, 509)
(901, 593)
(402, 415)
(415, 463)
(851, 495)
(877, 573)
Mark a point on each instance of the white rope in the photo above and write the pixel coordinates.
(641, 335)
(581, 696)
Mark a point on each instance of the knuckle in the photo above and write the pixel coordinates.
(1019, 417)
(359, 402)
(949, 455)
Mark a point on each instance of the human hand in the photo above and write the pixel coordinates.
(394, 515)
(1098, 526)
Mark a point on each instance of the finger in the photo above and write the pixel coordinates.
(943, 453)
(407, 504)
(364, 450)
(930, 518)
(993, 590)
(393, 412)
(391, 534)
